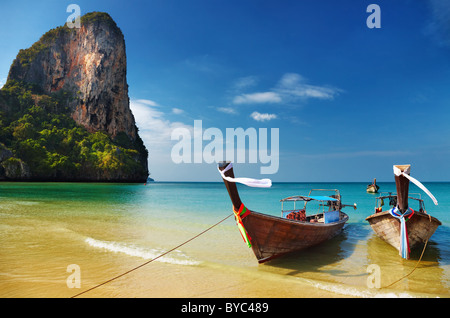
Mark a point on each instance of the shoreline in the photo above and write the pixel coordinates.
(197, 282)
(109, 231)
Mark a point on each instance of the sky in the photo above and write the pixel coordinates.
(348, 101)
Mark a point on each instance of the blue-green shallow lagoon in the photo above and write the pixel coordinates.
(107, 229)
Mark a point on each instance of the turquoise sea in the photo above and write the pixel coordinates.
(108, 229)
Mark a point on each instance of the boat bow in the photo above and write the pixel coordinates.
(401, 226)
(271, 236)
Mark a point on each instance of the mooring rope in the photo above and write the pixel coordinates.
(417, 264)
(159, 256)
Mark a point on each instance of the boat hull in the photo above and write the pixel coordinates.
(372, 189)
(273, 236)
(419, 228)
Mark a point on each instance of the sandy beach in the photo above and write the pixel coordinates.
(115, 228)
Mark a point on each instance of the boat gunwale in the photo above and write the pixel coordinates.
(344, 219)
(416, 213)
(394, 195)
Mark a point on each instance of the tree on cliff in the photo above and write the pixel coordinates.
(64, 110)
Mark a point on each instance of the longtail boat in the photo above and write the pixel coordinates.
(272, 236)
(400, 225)
(373, 187)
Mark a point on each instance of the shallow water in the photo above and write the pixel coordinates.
(107, 229)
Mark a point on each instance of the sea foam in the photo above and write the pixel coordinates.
(175, 257)
(361, 292)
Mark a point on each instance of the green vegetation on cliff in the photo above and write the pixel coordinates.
(40, 141)
(26, 56)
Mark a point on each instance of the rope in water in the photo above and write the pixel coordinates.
(417, 264)
(142, 265)
(194, 237)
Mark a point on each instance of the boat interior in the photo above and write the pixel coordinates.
(324, 208)
(391, 199)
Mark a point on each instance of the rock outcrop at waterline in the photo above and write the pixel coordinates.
(74, 81)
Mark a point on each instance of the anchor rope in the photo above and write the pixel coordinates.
(159, 256)
(417, 264)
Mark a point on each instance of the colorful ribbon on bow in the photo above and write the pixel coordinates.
(404, 240)
(239, 215)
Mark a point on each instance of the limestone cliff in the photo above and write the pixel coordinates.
(89, 62)
(87, 66)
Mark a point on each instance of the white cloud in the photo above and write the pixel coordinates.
(262, 117)
(245, 82)
(293, 85)
(290, 80)
(177, 111)
(290, 88)
(2, 82)
(258, 98)
(227, 110)
(146, 102)
(154, 128)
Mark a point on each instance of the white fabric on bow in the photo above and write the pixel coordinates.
(398, 172)
(262, 183)
(404, 240)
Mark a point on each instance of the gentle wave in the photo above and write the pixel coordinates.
(177, 257)
(361, 292)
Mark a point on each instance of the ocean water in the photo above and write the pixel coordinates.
(108, 229)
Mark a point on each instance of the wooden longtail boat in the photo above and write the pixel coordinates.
(271, 236)
(373, 187)
(400, 225)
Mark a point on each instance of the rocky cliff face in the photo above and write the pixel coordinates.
(87, 67)
(90, 63)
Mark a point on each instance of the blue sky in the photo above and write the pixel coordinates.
(349, 101)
